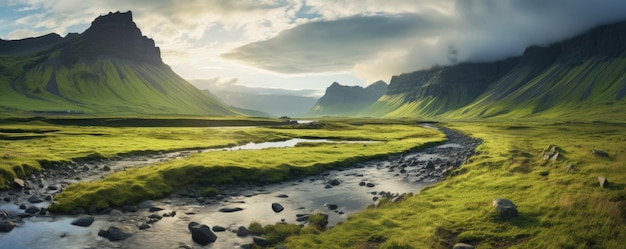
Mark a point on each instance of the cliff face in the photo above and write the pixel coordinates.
(583, 73)
(340, 100)
(114, 35)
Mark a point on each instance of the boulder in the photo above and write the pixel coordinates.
(19, 182)
(277, 207)
(261, 241)
(230, 210)
(116, 233)
(242, 231)
(334, 182)
(32, 210)
(34, 199)
(462, 246)
(6, 226)
(83, 221)
(505, 208)
(218, 229)
(370, 185)
(603, 182)
(201, 234)
(599, 153)
(331, 206)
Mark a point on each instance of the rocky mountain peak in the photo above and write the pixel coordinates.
(116, 35)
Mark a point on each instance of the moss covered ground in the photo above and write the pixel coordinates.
(558, 208)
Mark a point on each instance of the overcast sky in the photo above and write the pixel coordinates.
(308, 44)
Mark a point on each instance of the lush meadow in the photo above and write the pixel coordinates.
(558, 207)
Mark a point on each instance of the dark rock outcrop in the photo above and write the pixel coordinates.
(277, 208)
(343, 100)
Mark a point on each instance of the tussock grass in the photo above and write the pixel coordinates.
(557, 208)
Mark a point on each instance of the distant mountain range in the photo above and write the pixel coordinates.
(276, 105)
(340, 100)
(582, 78)
(111, 68)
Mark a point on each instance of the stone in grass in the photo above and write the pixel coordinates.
(505, 208)
(463, 246)
(599, 153)
(277, 208)
(603, 182)
(83, 221)
(261, 241)
(201, 234)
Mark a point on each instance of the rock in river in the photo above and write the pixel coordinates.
(6, 226)
(242, 231)
(230, 210)
(34, 199)
(201, 234)
(505, 208)
(277, 207)
(84, 221)
(116, 233)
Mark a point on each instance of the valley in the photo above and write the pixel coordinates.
(515, 141)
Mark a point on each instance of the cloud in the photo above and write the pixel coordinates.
(375, 45)
(336, 45)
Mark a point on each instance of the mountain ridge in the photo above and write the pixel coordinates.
(341, 100)
(583, 77)
(111, 68)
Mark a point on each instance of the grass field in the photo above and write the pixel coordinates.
(558, 208)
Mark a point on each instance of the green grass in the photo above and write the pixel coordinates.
(228, 167)
(28, 144)
(558, 209)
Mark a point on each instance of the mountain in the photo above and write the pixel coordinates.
(270, 104)
(340, 100)
(111, 68)
(580, 78)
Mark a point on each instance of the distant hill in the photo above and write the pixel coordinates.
(111, 68)
(270, 104)
(340, 100)
(582, 78)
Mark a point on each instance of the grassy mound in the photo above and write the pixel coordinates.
(558, 207)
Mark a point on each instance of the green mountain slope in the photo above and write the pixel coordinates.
(581, 78)
(109, 69)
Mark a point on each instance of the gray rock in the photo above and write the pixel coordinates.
(218, 229)
(34, 199)
(6, 226)
(115, 212)
(201, 234)
(32, 210)
(599, 153)
(83, 221)
(361, 183)
(505, 208)
(129, 209)
(144, 226)
(277, 208)
(334, 182)
(230, 210)
(242, 231)
(19, 182)
(261, 241)
(370, 185)
(116, 233)
(463, 246)
(331, 206)
(603, 182)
